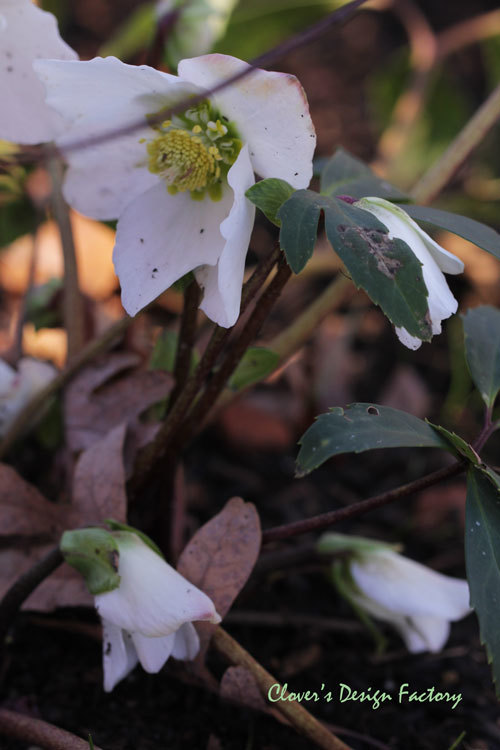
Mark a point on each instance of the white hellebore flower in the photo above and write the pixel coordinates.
(434, 258)
(418, 602)
(18, 387)
(27, 33)
(148, 618)
(178, 187)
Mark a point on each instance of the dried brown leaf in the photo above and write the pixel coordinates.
(240, 686)
(23, 510)
(94, 406)
(221, 556)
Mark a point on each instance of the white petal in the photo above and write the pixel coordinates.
(222, 283)
(160, 237)
(153, 652)
(152, 599)
(27, 33)
(187, 643)
(96, 97)
(270, 112)
(118, 654)
(426, 634)
(405, 587)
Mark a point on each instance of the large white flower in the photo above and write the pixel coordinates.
(27, 33)
(434, 258)
(418, 602)
(18, 387)
(178, 188)
(148, 618)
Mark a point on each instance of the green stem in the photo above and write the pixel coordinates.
(433, 182)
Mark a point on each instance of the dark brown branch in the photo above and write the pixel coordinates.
(22, 588)
(187, 336)
(324, 520)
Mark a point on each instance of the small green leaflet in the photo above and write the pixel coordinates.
(460, 446)
(164, 352)
(94, 553)
(482, 557)
(255, 365)
(343, 174)
(269, 195)
(386, 269)
(481, 235)
(482, 350)
(363, 427)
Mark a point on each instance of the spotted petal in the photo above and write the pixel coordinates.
(118, 654)
(270, 113)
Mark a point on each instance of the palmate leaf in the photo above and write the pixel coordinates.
(362, 427)
(482, 350)
(344, 174)
(482, 556)
(387, 269)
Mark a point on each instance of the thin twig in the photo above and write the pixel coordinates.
(467, 32)
(40, 733)
(324, 520)
(93, 348)
(250, 330)
(298, 40)
(14, 598)
(304, 722)
(73, 303)
(433, 182)
(187, 335)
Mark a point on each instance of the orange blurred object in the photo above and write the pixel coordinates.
(94, 247)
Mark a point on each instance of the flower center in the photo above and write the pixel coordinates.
(194, 151)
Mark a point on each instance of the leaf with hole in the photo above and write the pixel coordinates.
(363, 427)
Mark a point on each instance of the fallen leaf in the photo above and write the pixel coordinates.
(23, 509)
(240, 686)
(94, 406)
(221, 556)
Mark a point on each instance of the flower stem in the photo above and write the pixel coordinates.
(431, 184)
(324, 520)
(73, 304)
(38, 732)
(304, 722)
(14, 598)
(175, 419)
(93, 348)
(238, 348)
(187, 335)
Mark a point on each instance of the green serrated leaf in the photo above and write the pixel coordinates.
(482, 557)
(474, 231)
(94, 553)
(344, 174)
(255, 365)
(363, 427)
(482, 350)
(461, 447)
(269, 195)
(387, 269)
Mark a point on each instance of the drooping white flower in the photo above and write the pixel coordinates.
(27, 33)
(148, 618)
(434, 258)
(178, 188)
(18, 387)
(199, 25)
(418, 602)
